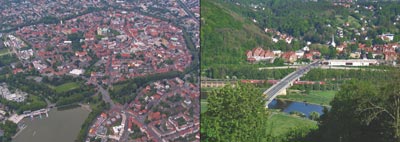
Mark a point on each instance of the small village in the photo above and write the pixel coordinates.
(349, 51)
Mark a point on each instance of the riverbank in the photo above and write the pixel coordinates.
(314, 97)
(19, 131)
(282, 99)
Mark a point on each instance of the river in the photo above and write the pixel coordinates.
(60, 126)
(289, 106)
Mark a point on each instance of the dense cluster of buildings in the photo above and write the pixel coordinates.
(127, 44)
(14, 42)
(17, 96)
(165, 110)
(259, 54)
(386, 52)
(109, 125)
(185, 13)
(14, 13)
(110, 41)
(171, 108)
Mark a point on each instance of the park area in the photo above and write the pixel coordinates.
(65, 87)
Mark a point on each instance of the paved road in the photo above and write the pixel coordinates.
(106, 96)
(349, 68)
(104, 93)
(187, 10)
(322, 67)
(285, 82)
(280, 67)
(125, 135)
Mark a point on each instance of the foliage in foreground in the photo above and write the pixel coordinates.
(362, 111)
(234, 114)
(9, 128)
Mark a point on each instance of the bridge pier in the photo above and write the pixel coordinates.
(282, 92)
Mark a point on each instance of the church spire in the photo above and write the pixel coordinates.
(333, 41)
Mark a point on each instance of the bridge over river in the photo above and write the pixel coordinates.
(17, 118)
(281, 86)
(277, 89)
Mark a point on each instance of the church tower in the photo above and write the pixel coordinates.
(333, 41)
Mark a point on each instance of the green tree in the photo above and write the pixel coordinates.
(279, 62)
(9, 128)
(353, 47)
(235, 113)
(363, 111)
(342, 122)
(369, 55)
(118, 56)
(314, 115)
(384, 109)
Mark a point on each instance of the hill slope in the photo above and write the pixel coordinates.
(226, 35)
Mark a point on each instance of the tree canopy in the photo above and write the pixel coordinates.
(235, 113)
(362, 111)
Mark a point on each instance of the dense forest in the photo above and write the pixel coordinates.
(246, 72)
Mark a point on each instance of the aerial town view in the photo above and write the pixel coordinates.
(99, 70)
(300, 70)
(199, 70)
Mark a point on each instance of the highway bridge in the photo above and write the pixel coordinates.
(286, 82)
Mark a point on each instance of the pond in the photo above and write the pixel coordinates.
(289, 106)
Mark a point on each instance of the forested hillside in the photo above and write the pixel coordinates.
(231, 27)
(226, 35)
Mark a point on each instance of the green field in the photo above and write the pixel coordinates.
(203, 105)
(32, 103)
(66, 87)
(4, 51)
(315, 97)
(118, 87)
(209, 89)
(281, 124)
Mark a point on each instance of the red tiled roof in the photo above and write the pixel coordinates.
(155, 116)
